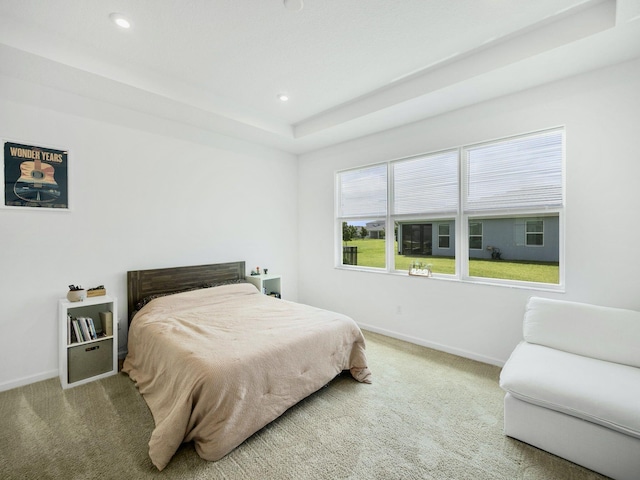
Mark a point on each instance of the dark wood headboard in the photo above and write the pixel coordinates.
(142, 283)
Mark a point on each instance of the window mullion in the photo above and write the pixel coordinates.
(390, 222)
(462, 234)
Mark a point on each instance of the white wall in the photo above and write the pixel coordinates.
(601, 113)
(148, 193)
(139, 199)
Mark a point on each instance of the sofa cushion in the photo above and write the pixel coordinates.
(611, 334)
(601, 392)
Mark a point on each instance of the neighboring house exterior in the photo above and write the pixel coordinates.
(529, 239)
(375, 229)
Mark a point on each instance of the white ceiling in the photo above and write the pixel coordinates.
(350, 67)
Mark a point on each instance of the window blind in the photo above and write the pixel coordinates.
(427, 184)
(363, 192)
(521, 172)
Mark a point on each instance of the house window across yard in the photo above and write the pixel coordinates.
(444, 236)
(534, 233)
(475, 235)
(492, 200)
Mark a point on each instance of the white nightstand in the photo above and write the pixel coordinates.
(269, 284)
(95, 354)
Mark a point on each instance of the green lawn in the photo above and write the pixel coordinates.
(371, 254)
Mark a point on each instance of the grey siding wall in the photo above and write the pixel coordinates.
(508, 234)
(440, 251)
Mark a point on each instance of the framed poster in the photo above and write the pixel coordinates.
(35, 176)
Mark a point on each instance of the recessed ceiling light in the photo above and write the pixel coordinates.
(120, 20)
(295, 5)
(283, 97)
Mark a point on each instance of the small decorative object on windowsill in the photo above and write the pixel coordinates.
(96, 291)
(76, 293)
(420, 269)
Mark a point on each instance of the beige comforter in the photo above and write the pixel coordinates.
(218, 364)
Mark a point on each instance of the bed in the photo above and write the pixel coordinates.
(216, 360)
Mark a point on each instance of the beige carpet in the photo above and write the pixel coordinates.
(428, 415)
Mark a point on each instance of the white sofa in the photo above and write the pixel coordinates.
(573, 385)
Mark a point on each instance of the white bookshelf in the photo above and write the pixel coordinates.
(84, 361)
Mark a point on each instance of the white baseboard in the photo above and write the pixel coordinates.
(436, 346)
(20, 382)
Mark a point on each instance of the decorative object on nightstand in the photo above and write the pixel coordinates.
(76, 293)
(88, 347)
(106, 319)
(269, 284)
(96, 291)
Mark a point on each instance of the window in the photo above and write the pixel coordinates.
(421, 242)
(534, 233)
(425, 193)
(475, 235)
(492, 200)
(426, 184)
(505, 182)
(515, 174)
(444, 237)
(363, 243)
(507, 255)
(362, 210)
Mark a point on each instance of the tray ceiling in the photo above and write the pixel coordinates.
(349, 67)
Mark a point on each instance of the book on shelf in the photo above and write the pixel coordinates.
(81, 329)
(92, 328)
(85, 328)
(76, 329)
(74, 337)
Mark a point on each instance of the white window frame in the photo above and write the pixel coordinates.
(461, 222)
